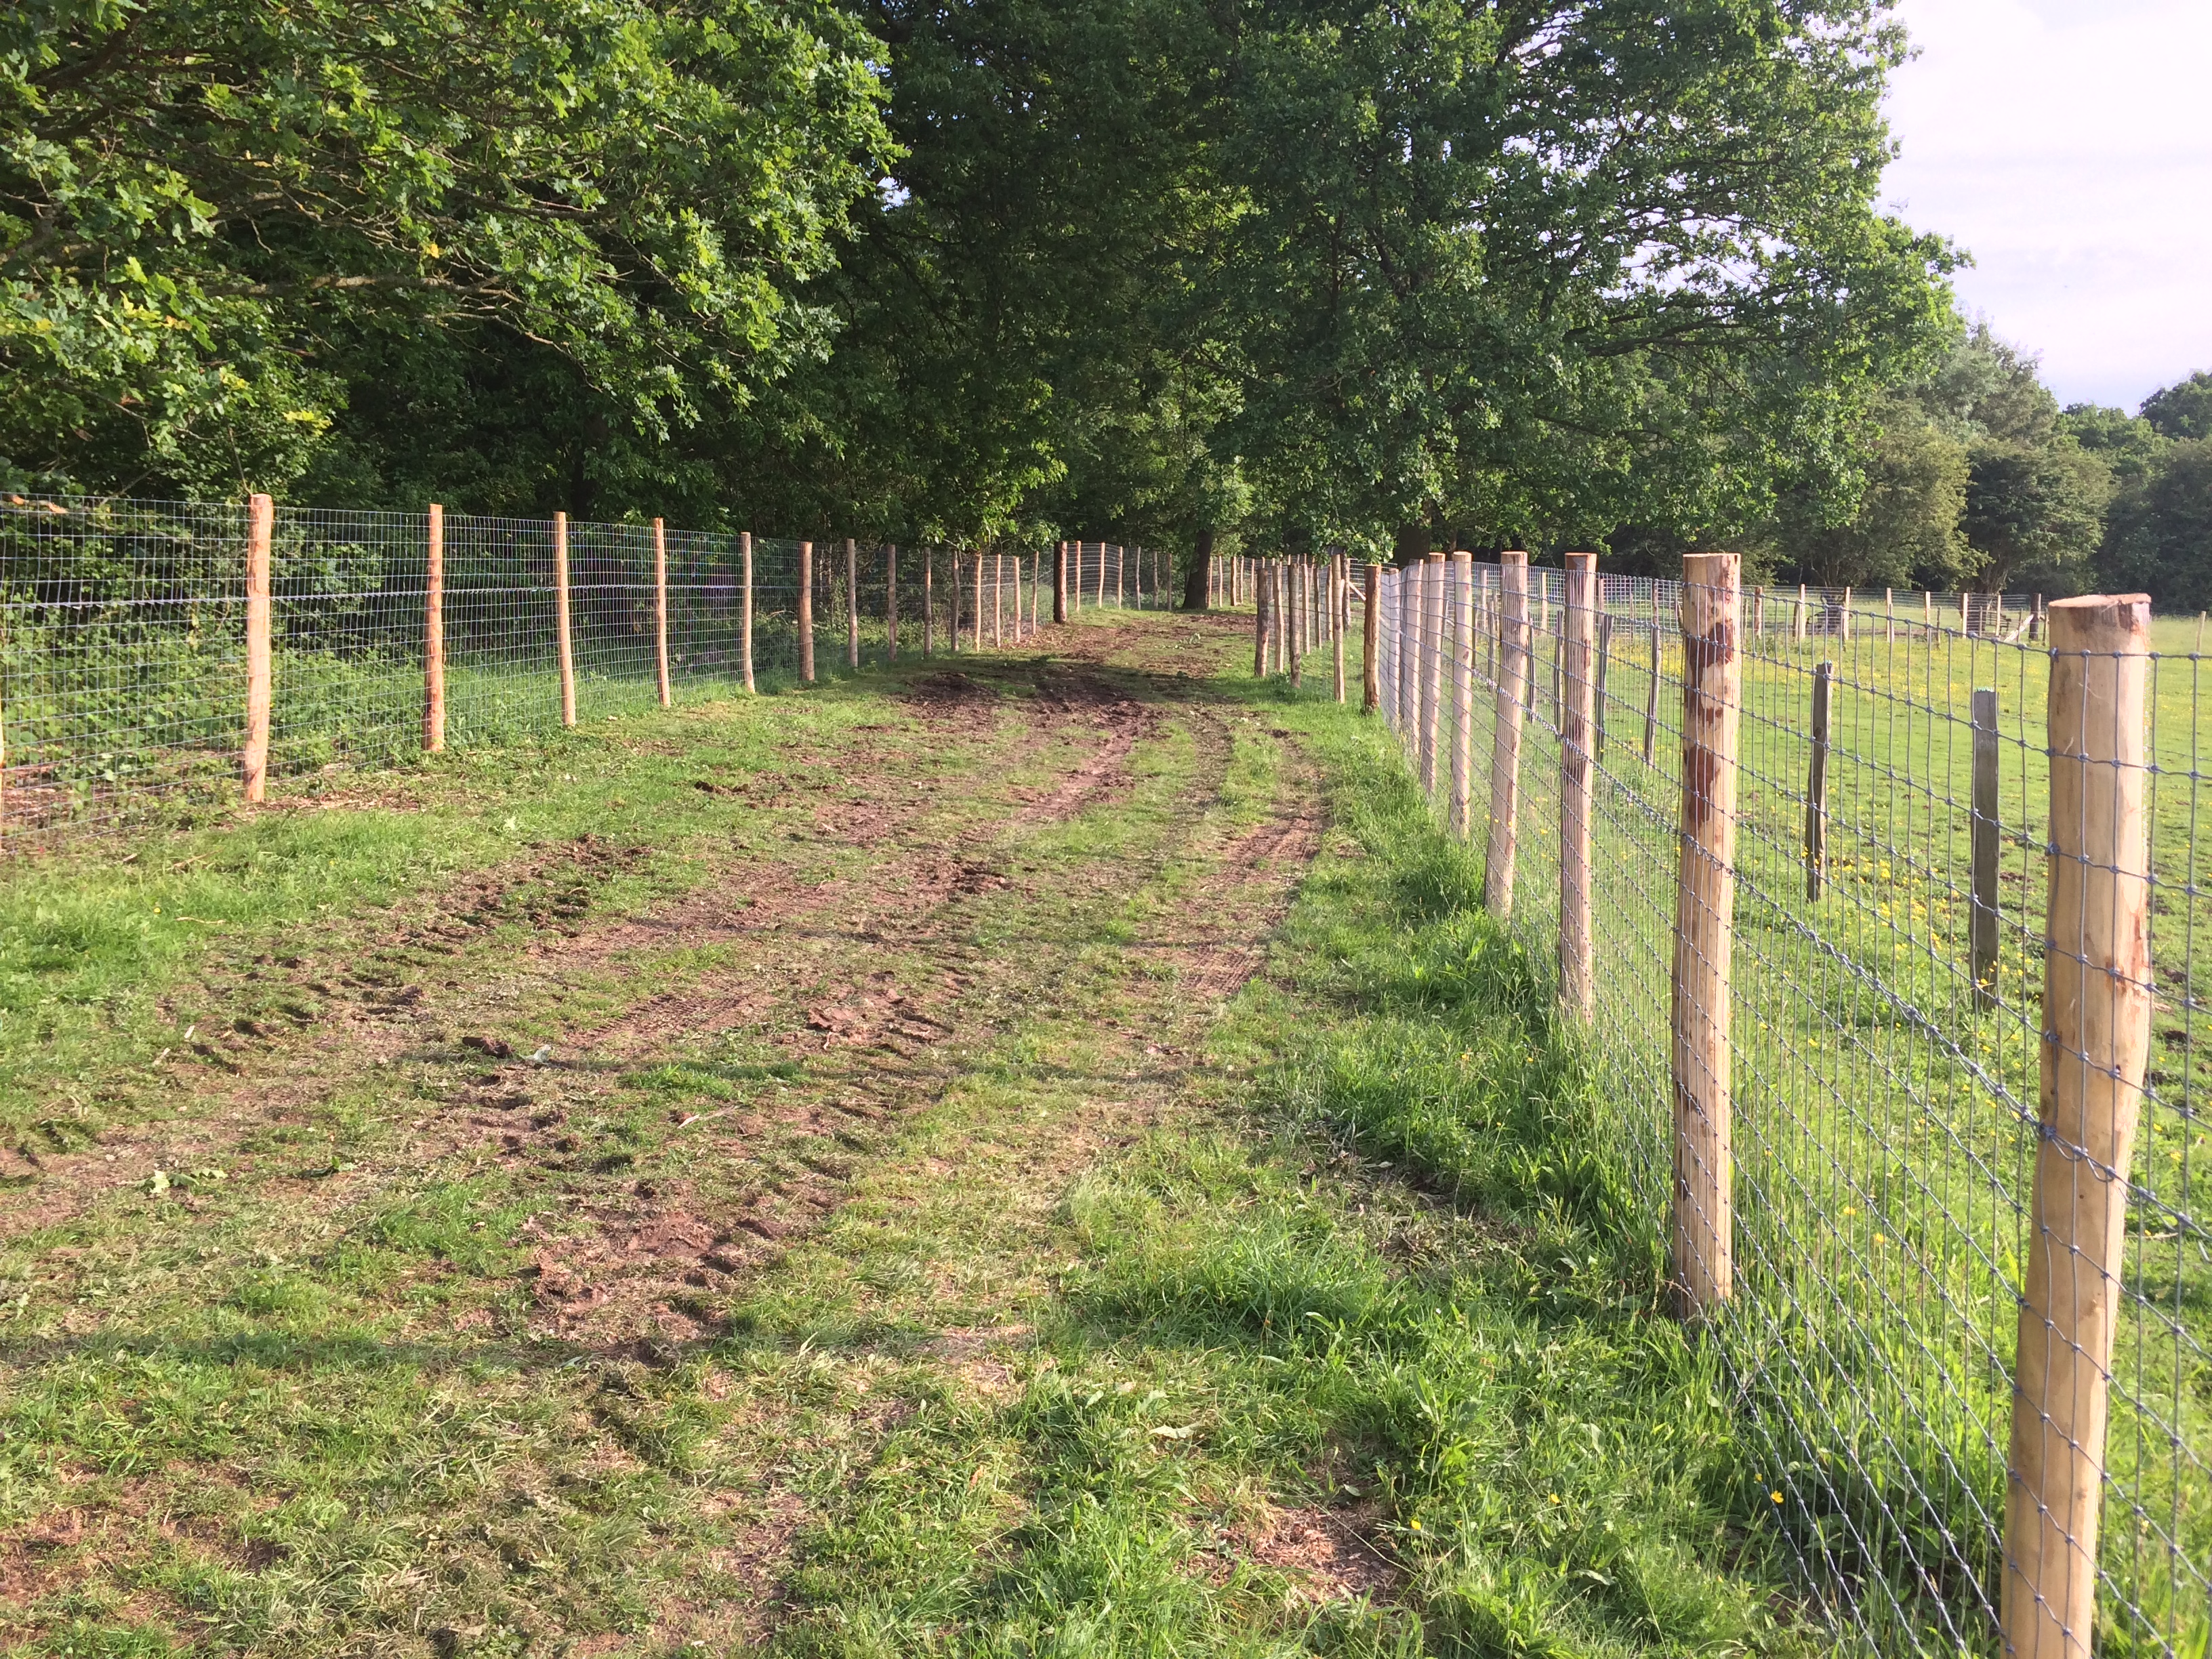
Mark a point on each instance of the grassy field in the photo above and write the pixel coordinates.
(1885, 1122)
(1031, 1154)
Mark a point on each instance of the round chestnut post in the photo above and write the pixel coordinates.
(1705, 934)
(260, 625)
(1370, 668)
(928, 609)
(890, 604)
(661, 612)
(1060, 584)
(564, 644)
(1460, 609)
(806, 613)
(1577, 952)
(1505, 736)
(745, 605)
(2096, 1044)
(1338, 569)
(434, 636)
(852, 605)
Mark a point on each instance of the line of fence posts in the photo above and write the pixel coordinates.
(2096, 991)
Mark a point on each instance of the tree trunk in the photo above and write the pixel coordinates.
(1194, 578)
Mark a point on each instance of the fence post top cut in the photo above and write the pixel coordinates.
(1581, 562)
(1513, 557)
(2100, 622)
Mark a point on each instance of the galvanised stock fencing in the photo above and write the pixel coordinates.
(1916, 1105)
(128, 631)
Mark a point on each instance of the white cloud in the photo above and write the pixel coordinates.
(2067, 144)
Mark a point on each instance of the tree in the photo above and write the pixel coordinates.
(217, 218)
(2158, 537)
(1906, 530)
(2181, 410)
(1548, 266)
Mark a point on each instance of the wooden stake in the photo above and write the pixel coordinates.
(2096, 1043)
(1296, 627)
(1889, 614)
(998, 598)
(1579, 639)
(852, 605)
(660, 613)
(434, 636)
(806, 613)
(1259, 629)
(1982, 920)
(1928, 615)
(1370, 668)
(1604, 661)
(1816, 782)
(260, 620)
(1121, 588)
(745, 618)
(1059, 582)
(976, 615)
(890, 604)
(563, 643)
(1459, 629)
(1651, 701)
(1758, 611)
(928, 607)
(1797, 619)
(1505, 736)
(1036, 566)
(1432, 660)
(1705, 934)
(1339, 580)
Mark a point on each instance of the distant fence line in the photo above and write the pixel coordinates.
(1880, 915)
(155, 655)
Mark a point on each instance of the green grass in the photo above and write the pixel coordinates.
(1884, 1125)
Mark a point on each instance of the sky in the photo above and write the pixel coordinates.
(2066, 145)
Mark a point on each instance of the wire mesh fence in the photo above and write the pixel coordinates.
(127, 636)
(1912, 1098)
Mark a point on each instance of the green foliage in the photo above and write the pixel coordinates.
(2181, 410)
(212, 213)
(2158, 539)
(1515, 269)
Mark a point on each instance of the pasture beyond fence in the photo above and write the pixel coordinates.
(1881, 920)
(154, 656)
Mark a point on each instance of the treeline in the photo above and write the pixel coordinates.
(1188, 273)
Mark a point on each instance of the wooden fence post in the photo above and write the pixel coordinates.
(745, 605)
(260, 621)
(1430, 645)
(1758, 611)
(1338, 580)
(1295, 625)
(1037, 569)
(1651, 701)
(1816, 782)
(1705, 934)
(1844, 619)
(1982, 920)
(2096, 1043)
(1459, 605)
(806, 613)
(976, 615)
(1797, 619)
(1370, 669)
(852, 605)
(1505, 738)
(1889, 615)
(1259, 632)
(1928, 615)
(1604, 661)
(890, 604)
(660, 613)
(928, 607)
(1059, 582)
(1578, 638)
(434, 636)
(998, 598)
(563, 643)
